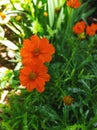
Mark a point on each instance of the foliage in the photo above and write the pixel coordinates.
(73, 69)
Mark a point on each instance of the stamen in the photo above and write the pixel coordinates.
(36, 52)
(2, 15)
(32, 76)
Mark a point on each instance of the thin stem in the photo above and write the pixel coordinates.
(31, 8)
(12, 4)
(57, 82)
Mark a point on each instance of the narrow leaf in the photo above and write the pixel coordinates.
(51, 12)
(9, 44)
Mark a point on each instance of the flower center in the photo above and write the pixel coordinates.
(2, 15)
(68, 100)
(32, 76)
(36, 51)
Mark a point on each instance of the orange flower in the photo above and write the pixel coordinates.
(68, 100)
(79, 27)
(73, 3)
(36, 49)
(91, 30)
(34, 76)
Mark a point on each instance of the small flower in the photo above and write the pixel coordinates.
(36, 49)
(4, 18)
(68, 100)
(91, 29)
(79, 27)
(45, 14)
(73, 3)
(34, 76)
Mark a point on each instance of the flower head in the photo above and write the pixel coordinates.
(36, 49)
(73, 3)
(4, 18)
(79, 27)
(91, 30)
(34, 76)
(2, 15)
(68, 100)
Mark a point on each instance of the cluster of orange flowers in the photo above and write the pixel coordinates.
(91, 30)
(73, 3)
(81, 27)
(35, 53)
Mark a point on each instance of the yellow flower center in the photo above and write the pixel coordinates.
(36, 51)
(32, 76)
(2, 15)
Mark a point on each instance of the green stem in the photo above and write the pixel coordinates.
(12, 4)
(31, 8)
(68, 28)
(57, 82)
(66, 114)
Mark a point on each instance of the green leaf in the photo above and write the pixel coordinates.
(85, 15)
(60, 18)
(19, 28)
(13, 29)
(51, 12)
(2, 33)
(76, 127)
(25, 122)
(9, 44)
(92, 122)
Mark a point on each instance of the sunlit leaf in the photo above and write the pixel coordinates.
(9, 44)
(51, 12)
(13, 29)
(2, 33)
